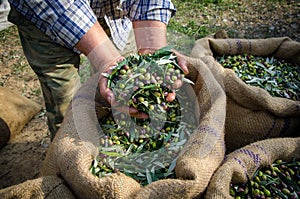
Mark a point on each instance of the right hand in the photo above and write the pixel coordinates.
(108, 94)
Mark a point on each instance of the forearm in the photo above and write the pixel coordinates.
(150, 19)
(100, 51)
(93, 38)
(150, 35)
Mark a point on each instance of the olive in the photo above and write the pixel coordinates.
(138, 84)
(248, 67)
(264, 185)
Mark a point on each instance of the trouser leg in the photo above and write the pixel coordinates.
(55, 66)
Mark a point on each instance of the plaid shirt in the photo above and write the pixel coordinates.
(66, 21)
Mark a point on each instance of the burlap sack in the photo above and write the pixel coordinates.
(15, 112)
(72, 151)
(252, 113)
(247, 160)
(50, 187)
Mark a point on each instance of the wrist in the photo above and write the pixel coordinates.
(149, 35)
(94, 37)
(103, 55)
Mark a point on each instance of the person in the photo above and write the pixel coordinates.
(53, 34)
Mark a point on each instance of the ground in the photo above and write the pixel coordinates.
(23, 156)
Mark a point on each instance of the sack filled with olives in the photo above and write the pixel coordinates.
(261, 80)
(102, 152)
(264, 169)
(146, 149)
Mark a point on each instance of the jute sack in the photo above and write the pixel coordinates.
(50, 187)
(252, 113)
(245, 161)
(75, 145)
(15, 112)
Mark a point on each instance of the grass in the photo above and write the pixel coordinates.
(187, 25)
(188, 19)
(240, 19)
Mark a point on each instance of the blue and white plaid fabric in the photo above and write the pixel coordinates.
(66, 21)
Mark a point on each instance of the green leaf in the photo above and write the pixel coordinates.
(148, 175)
(187, 81)
(133, 77)
(288, 181)
(111, 154)
(140, 148)
(95, 163)
(97, 170)
(249, 186)
(105, 75)
(159, 164)
(167, 50)
(163, 62)
(279, 193)
(172, 166)
(146, 103)
(141, 174)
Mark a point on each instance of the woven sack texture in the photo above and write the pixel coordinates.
(252, 114)
(15, 112)
(46, 187)
(71, 152)
(245, 161)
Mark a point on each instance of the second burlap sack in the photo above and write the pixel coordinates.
(75, 145)
(245, 161)
(46, 187)
(252, 114)
(15, 112)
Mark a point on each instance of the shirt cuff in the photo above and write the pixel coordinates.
(163, 15)
(161, 10)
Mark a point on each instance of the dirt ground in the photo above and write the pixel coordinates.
(22, 157)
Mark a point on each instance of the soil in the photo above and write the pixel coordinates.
(22, 157)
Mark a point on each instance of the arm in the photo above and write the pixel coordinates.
(150, 35)
(100, 51)
(65, 22)
(150, 19)
(93, 38)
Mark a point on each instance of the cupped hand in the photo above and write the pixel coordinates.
(108, 94)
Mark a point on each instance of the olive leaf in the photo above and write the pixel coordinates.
(278, 77)
(136, 150)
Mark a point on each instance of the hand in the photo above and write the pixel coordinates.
(103, 55)
(108, 94)
(181, 62)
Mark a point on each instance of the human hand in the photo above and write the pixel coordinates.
(143, 82)
(181, 62)
(102, 55)
(108, 94)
